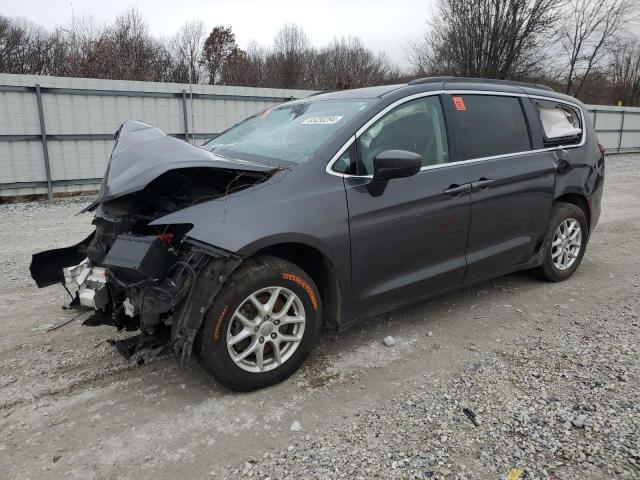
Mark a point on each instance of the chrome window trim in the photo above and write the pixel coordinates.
(377, 116)
(335, 158)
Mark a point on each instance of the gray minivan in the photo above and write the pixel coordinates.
(326, 210)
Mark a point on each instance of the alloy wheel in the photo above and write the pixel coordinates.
(266, 329)
(566, 245)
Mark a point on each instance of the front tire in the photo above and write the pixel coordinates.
(262, 325)
(565, 242)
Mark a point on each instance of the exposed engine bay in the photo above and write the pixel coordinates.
(151, 278)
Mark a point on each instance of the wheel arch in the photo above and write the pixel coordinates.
(321, 270)
(580, 201)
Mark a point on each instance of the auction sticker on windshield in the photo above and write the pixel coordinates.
(322, 120)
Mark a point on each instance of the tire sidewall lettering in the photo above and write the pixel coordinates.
(219, 322)
(305, 286)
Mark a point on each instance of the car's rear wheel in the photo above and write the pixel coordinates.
(262, 325)
(565, 242)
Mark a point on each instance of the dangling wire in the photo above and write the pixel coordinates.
(67, 322)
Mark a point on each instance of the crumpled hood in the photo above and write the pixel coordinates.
(142, 153)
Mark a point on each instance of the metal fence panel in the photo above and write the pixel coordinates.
(609, 140)
(92, 114)
(77, 159)
(618, 128)
(21, 161)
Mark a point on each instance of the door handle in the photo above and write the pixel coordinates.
(455, 189)
(482, 183)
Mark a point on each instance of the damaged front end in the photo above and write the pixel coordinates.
(151, 278)
(157, 284)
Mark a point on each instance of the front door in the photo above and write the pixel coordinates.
(409, 241)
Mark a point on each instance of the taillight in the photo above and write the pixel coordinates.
(602, 150)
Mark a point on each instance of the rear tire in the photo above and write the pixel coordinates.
(248, 315)
(565, 242)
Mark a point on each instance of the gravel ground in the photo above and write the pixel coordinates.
(561, 405)
(548, 372)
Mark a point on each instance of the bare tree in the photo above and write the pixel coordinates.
(288, 61)
(76, 45)
(187, 53)
(486, 38)
(246, 67)
(625, 72)
(347, 63)
(24, 47)
(418, 54)
(587, 31)
(10, 39)
(220, 43)
(38, 54)
(256, 56)
(127, 51)
(236, 69)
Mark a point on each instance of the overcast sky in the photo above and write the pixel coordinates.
(384, 25)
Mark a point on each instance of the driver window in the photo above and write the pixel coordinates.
(416, 126)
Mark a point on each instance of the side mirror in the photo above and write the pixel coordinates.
(392, 164)
(395, 164)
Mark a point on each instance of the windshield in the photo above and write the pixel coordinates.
(290, 132)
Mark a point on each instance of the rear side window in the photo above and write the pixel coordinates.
(488, 125)
(561, 123)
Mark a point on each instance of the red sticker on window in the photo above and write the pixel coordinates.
(459, 104)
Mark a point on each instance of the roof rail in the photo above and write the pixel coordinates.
(420, 81)
(320, 92)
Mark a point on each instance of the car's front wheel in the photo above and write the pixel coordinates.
(262, 325)
(565, 242)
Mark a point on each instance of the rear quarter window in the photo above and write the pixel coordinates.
(488, 125)
(561, 124)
